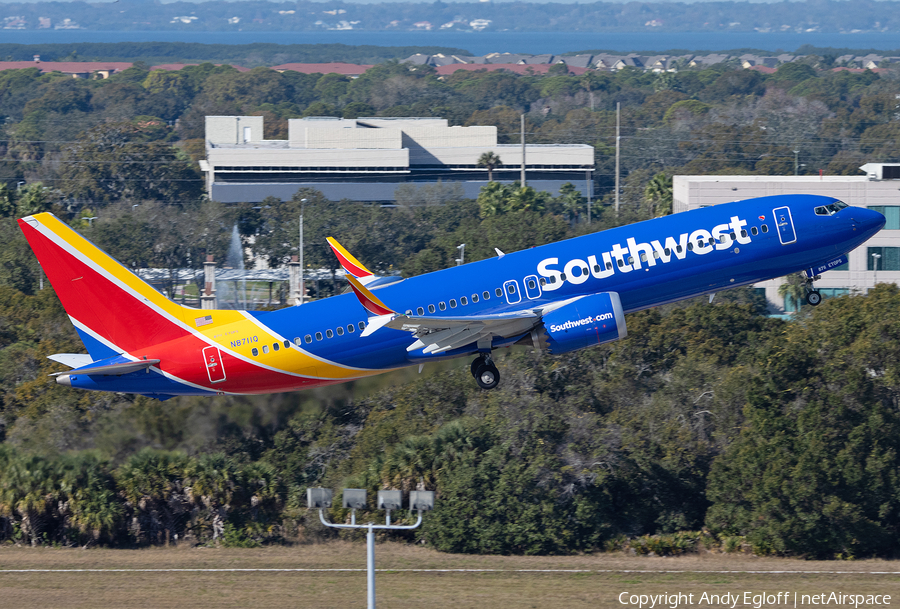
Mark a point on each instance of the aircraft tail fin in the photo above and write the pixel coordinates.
(113, 310)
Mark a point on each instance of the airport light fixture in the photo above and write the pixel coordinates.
(355, 499)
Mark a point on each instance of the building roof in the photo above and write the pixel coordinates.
(347, 69)
(67, 67)
(509, 67)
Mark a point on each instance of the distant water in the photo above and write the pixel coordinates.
(481, 43)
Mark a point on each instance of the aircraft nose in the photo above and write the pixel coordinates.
(868, 221)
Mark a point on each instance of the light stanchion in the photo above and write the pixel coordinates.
(354, 499)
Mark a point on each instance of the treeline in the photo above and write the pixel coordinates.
(246, 55)
(783, 437)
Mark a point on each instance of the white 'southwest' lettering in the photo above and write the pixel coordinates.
(630, 258)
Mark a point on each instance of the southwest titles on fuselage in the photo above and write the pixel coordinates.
(631, 257)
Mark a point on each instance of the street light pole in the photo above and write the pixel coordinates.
(876, 257)
(354, 499)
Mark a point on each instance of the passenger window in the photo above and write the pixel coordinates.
(511, 288)
(431, 308)
(463, 301)
(743, 233)
(486, 295)
(329, 333)
(678, 248)
(754, 231)
(420, 311)
(621, 263)
(499, 291)
(655, 254)
(452, 303)
(361, 325)
(351, 328)
(308, 339)
(340, 330)
(287, 343)
(442, 306)
(318, 336)
(596, 268)
(297, 340)
(643, 257)
(543, 282)
(668, 252)
(690, 246)
(609, 266)
(265, 348)
(531, 284)
(765, 228)
(276, 346)
(631, 260)
(733, 236)
(409, 311)
(474, 298)
(562, 276)
(254, 351)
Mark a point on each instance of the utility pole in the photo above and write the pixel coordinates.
(300, 257)
(618, 111)
(522, 179)
(796, 165)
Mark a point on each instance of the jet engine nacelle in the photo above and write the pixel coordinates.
(592, 320)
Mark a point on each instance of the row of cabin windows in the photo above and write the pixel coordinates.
(309, 338)
(463, 301)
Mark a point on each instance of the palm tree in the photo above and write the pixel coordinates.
(213, 482)
(793, 290)
(93, 506)
(490, 161)
(151, 482)
(659, 194)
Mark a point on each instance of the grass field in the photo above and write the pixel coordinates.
(47, 577)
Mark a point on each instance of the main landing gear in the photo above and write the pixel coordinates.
(485, 372)
(812, 294)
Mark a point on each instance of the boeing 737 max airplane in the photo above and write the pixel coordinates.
(559, 297)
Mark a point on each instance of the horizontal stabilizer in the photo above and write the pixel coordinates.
(112, 369)
(72, 360)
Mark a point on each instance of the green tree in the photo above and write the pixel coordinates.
(489, 161)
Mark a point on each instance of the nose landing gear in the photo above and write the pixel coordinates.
(812, 294)
(485, 372)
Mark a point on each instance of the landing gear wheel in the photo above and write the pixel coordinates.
(814, 298)
(487, 376)
(477, 363)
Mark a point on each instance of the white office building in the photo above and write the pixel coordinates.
(366, 159)
(878, 260)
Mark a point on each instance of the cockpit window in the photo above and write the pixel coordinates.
(831, 209)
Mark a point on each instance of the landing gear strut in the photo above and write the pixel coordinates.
(812, 294)
(485, 372)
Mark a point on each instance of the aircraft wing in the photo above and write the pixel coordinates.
(439, 334)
